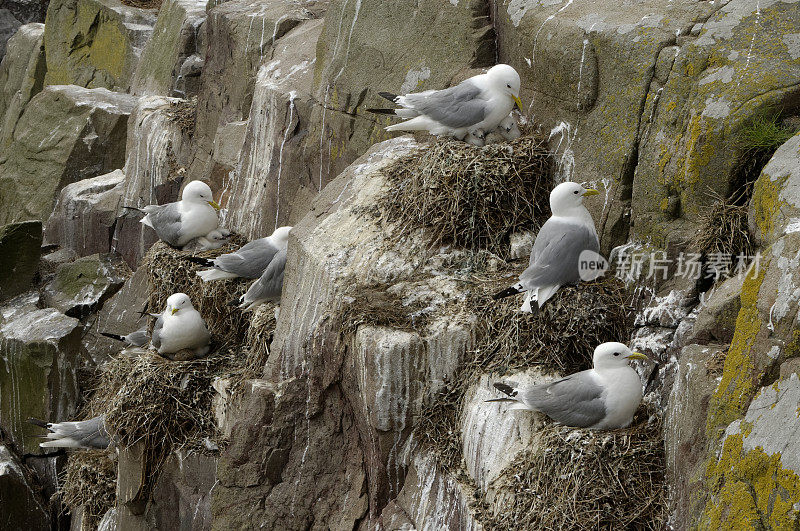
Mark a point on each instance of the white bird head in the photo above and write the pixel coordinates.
(281, 236)
(476, 137)
(506, 79)
(199, 192)
(508, 128)
(219, 235)
(614, 355)
(178, 302)
(567, 196)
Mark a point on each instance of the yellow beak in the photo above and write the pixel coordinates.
(637, 356)
(517, 101)
(174, 311)
(591, 191)
(215, 205)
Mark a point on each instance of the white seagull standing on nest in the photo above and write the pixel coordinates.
(478, 103)
(604, 397)
(179, 223)
(249, 261)
(557, 249)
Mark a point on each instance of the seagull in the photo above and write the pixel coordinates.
(479, 102)
(556, 251)
(604, 397)
(180, 327)
(507, 130)
(268, 287)
(178, 223)
(249, 261)
(81, 434)
(134, 339)
(213, 240)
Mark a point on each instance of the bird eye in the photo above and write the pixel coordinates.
(616, 353)
(509, 86)
(576, 193)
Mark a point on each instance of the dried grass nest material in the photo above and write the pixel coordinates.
(90, 481)
(561, 338)
(170, 272)
(182, 112)
(472, 197)
(586, 479)
(724, 228)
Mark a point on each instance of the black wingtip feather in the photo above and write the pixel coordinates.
(388, 95)
(381, 111)
(505, 293)
(505, 388)
(113, 336)
(37, 422)
(200, 261)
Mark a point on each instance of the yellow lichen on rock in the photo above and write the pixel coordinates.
(752, 490)
(738, 379)
(766, 203)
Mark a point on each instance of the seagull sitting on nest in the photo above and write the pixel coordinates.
(179, 223)
(477, 103)
(180, 327)
(604, 397)
(249, 261)
(82, 434)
(557, 249)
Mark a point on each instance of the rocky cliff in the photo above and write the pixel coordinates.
(363, 405)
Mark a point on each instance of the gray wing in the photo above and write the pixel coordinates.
(250, 260)
(555, 253)
(138, 338)
(574, 401)
(156, 340)
(86, 433)
(270, 284)
(454, 107)
(166, 221)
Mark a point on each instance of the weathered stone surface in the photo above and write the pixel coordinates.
(716, 320)
(587, 70)
(375, 45)
(8, 26)
(175, 38)
(181, 497)
(774, 209)
(20, 509)
(243, 32)
(759, 464)
(291, 464)
(66, 134)
(21, 77)
(81, 287)
(692, 385)
(84, 216)
(27, 11)
(433, 499)
(95, 43)
(154, 151)
(119, 315)
(273, 185)
(740, 64)
(37, 379)
(20, 246)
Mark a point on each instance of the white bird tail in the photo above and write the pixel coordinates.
(215, 274)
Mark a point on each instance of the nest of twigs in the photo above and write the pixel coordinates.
(163, 404)
(182, 112)
(90, 481)
(560, 339)
(376, 305)
(170, 272)
(472, 197)
(723, 227)
(585, 479)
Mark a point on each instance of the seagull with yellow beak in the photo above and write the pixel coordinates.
(180, 327)
(479, 103)
(179, 223)
(604, 397)
(556, 254)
